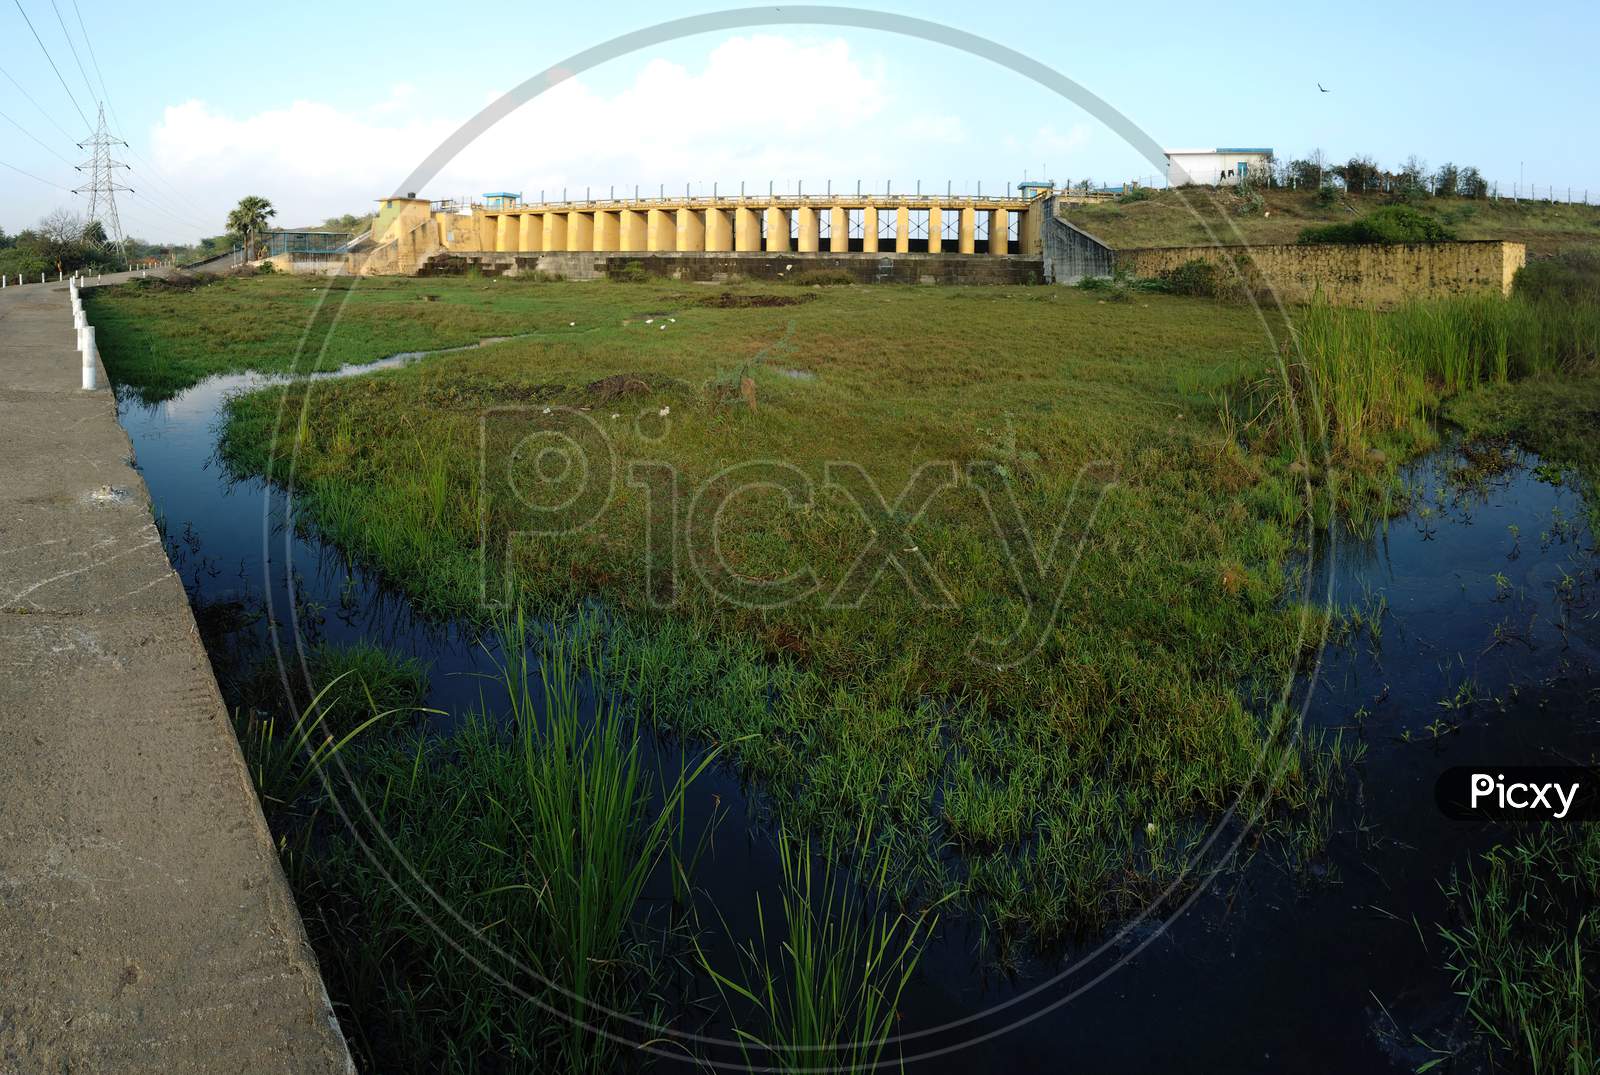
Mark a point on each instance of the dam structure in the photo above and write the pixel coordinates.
(706, 236)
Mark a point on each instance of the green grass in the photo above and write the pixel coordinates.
(1525, 946)
(169, 336)
(1042, 758)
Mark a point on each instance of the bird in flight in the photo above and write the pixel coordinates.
(1321, 87)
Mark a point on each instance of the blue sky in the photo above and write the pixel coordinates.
(322, 107)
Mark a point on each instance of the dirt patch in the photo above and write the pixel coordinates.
(618, 386)
(728, 300)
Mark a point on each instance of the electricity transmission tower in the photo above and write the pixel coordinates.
(103, 185)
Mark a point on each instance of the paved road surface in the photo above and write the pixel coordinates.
(145, 925)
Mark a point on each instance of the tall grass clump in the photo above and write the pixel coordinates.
(1363, 376)
(1525, 950)
(824, 993)
(490, 907)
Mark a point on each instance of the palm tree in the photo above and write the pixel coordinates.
(249, 220)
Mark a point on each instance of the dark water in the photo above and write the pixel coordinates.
(1487, 601)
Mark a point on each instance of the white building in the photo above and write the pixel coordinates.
(1224, 167)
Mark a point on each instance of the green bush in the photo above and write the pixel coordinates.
(1135, 194)
(633, 272)
(1390, 224)
(1194, 277)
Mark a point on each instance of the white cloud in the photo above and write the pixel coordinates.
(759, 107)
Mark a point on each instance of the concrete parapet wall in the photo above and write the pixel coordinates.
(1349, 275)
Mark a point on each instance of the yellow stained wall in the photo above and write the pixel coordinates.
(810, 231)
(999, 231)
(839, 229)
(746, 229)
(661, 230)
(580, 231)
(607, 231)
(719, 230)
(869, 230)
(1029, 228)
(935, 229)
(777, 229)
(530, 232)
(555, 231)
(691, 230)
(630, 226)
(902, 230)
(1370, 276)
(967, 239)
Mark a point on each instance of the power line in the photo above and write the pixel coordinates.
(23, 90)
(52, 60)
(35, 178)
(30, 134)
(96, 61)
(74, 48)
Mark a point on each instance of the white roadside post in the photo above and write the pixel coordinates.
(88, 357)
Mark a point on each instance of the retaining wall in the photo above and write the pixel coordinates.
(720, 266)
(1349, 275)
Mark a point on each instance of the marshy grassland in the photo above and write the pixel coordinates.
(1043, 749)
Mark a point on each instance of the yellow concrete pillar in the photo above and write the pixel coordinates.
(505, 233)
(935, 229)
(607, 231)
(746, 228)
(777, 229)
(555, 231)
(719, 230)
(999, 231)
(580, 230)
(869, 229)
(530, 231)
(631, 235)
(810, 231)
(691, 230)
(967, 240)
(902, 230)
(838, 229)
(1030, 227)
(661, 234)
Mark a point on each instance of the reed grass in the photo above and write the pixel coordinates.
(1525, 949)
(824, 993)
(1364, 378)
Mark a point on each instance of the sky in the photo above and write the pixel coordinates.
(324, 107)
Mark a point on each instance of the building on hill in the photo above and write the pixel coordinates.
(1222, 167)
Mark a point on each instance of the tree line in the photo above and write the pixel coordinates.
(1363, 175)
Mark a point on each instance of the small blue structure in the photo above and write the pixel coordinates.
(502, 199)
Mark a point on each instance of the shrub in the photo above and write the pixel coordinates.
(1194, 277)
(1135, 194)
(633, 272)
(1390, 224)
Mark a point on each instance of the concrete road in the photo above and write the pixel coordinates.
(145, 924)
